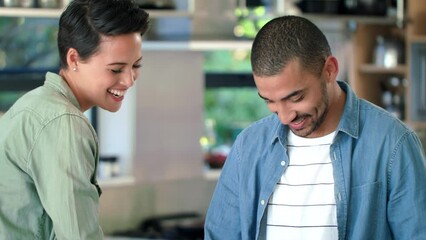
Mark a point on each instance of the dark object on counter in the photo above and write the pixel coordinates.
(156, 4)
(358, 7)
(319, 6)
(171, 227)
(365, 7)
(108, 167)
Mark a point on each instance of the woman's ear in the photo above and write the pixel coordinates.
(331, 68)
(72, 59)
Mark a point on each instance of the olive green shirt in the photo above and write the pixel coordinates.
(48, 162)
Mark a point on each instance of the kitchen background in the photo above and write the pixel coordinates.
(162, 152)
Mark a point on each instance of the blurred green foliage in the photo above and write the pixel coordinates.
(28, 43)
(8, 98)
(232, 109)
(227, 61)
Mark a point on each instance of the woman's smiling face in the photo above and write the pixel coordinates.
(104, 78)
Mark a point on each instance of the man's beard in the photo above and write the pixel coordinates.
(321, 116)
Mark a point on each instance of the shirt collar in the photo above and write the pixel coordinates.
(349, 123)
(56, 82)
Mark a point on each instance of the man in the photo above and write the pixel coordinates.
(326, 165)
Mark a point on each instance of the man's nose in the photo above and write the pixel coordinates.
(285, 114)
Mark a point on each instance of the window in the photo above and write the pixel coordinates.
(7, 98)
(231, 103)
(27, 51)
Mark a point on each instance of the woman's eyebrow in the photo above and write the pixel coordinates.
(122, 63)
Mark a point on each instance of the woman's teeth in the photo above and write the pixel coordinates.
(116, 93)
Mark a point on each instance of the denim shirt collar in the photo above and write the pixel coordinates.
(56, 82)
(349, 123)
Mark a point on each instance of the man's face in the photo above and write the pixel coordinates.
(298, 97)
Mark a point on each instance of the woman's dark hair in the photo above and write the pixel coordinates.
(83, 23)
(285, 39)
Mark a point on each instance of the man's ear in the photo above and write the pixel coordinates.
(331, 68)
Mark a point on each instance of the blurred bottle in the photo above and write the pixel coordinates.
(393, 96)
(49, 3)
(28, 3)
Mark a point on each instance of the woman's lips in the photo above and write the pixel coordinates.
(117, 98)
(116, 95)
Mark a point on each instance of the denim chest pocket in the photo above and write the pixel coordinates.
(367, 210)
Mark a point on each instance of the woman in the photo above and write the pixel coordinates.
(48, 149)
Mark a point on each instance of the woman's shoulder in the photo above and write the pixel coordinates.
(42, 105)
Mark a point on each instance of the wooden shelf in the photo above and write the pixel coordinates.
(378, 20)
(365, 77)
(374, 69)
(416, 125)
(419, 39)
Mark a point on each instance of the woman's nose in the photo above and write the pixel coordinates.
(129, 79)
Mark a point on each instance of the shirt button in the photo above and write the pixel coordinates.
(283, 163)
(262, 202)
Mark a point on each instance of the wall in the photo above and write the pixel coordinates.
(169, 116)
(156, 135)
(116, 132)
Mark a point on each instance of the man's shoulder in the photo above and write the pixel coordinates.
(262, 130)
(376, 119)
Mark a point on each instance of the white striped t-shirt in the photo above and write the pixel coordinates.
(303, 204)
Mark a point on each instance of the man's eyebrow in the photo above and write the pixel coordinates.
(262, 97)
(295, 93)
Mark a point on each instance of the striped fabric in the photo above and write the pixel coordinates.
(303, 204)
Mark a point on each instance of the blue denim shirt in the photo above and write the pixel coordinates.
(378, 166)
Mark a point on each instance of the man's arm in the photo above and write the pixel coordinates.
(223, 216)
(407, 193)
